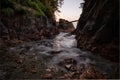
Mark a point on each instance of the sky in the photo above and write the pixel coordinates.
(70, 10)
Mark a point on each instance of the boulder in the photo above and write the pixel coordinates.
(92, 73)
(65, 26)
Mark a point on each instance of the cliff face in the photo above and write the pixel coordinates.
(27, 20)
(98, 28)
(19, 28)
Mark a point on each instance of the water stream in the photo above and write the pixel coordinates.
(54, 51)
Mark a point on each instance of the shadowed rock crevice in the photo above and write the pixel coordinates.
(98, 28)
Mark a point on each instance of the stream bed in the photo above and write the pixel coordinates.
(56, 58)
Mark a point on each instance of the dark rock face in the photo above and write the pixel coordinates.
(98, 28)
(65, 26)
(24, 28)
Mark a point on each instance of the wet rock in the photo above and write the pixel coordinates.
(92, 73)
(73, 68)
(93, 49)
(69, 75)
(65, 26)
(55, 52)
(20, 59)
(48, 70)
(2, 43)
(48, 76)
(61, 77)
(68, 66)
(70, 61)
(36, 58)
(2, 75)
(81, 68)
(55, 69)
(34, 70)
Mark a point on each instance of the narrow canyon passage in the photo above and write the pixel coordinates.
(56, 58)
(39, 42)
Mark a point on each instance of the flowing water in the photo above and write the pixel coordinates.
(53, 51)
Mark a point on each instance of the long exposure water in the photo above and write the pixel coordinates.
(53, 51)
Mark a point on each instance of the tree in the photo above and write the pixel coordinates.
(35, 7)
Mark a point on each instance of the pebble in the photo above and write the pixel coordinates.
(68, 66)
(48, 76)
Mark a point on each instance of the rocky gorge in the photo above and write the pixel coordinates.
(38, 47)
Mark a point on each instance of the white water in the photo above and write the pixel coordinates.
(65, 41)
(63, 46)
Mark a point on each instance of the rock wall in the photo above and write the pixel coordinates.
(24, 28)
(98, 28)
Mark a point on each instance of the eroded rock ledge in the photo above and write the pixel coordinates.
(98, 28)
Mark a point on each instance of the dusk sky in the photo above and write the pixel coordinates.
(70, 10)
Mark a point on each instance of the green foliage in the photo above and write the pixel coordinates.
(7, 11)
(34, 7)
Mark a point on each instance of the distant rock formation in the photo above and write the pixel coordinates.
(65, 26)
(98, 28)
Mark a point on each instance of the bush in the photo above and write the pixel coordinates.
(7, 11)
